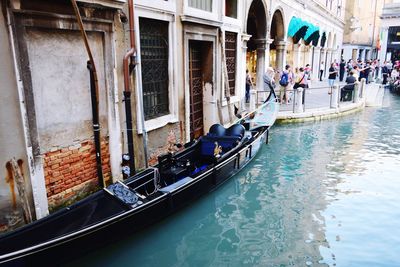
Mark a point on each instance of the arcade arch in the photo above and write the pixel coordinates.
(256, 45)
(278, 46)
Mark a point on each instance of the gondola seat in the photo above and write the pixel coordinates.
(226, 138)
(208, 144)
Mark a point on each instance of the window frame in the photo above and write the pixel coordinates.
(236, 62)
(157, 56)
(239, 66)
(199, 13)
(172, 116)
(237, 10)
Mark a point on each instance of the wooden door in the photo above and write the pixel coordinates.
(196, 89)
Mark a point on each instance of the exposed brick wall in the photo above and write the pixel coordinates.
(166, 141)
(71, 172)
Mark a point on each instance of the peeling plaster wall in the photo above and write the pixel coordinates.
(12, 143)
(61, 87)
(52, 62)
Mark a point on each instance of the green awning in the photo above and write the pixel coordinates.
(311, 29)
(313, 39)
(294, 26)
(300, 29)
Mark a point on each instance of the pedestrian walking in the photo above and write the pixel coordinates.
(356, 72)
(308, 70)
(332, 75)
(385, 73)
(321, 70)
(389, 65)
(377, 68)
(301, 83)
(268, 79)
(349, 66)
(342, 68)
(284, 82)
(249, 85)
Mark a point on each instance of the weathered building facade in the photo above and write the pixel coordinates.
(361, 36)
(192, 57)
(47, 116)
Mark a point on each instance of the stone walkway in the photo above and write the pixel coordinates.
(318, 103)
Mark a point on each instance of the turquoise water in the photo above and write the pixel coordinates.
(326, 193)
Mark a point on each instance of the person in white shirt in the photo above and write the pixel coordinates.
(321, 70)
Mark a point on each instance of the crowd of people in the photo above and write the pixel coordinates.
(351, 71)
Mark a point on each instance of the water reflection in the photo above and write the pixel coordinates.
(319, 194)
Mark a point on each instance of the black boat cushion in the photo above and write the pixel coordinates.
(217, 130)
(124, 194)
(236, 130)
(226, 142)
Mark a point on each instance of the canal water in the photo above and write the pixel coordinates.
(320, 194)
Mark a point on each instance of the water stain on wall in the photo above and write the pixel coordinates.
(11, 182)
(19, 212)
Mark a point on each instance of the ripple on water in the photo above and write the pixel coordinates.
(319, 194)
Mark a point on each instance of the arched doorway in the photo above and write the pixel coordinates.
(256, 27)
(278, 46)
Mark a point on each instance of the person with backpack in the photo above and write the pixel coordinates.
(284, 84)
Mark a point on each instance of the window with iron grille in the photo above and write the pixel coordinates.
(205, 5)
(230, 55)
(154, 63)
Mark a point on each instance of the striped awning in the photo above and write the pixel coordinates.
(300, 29)
(294, 26)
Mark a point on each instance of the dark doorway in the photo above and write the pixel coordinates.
(200, 72)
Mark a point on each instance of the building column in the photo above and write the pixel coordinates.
(280, 54)
(347, 54)
(242, 74)
(368, 54)
(335, 56)
(363, 54)
(308, 55)
(329, 56)
(384, 41)
(261, 62)
(297, 55)
(268, 42)
(316, 63)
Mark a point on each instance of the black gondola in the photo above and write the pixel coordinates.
(126, 207)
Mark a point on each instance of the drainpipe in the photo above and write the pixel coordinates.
(129, 64)
(94, 89)
(127, 93)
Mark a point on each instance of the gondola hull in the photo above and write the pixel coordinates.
(105, 217)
